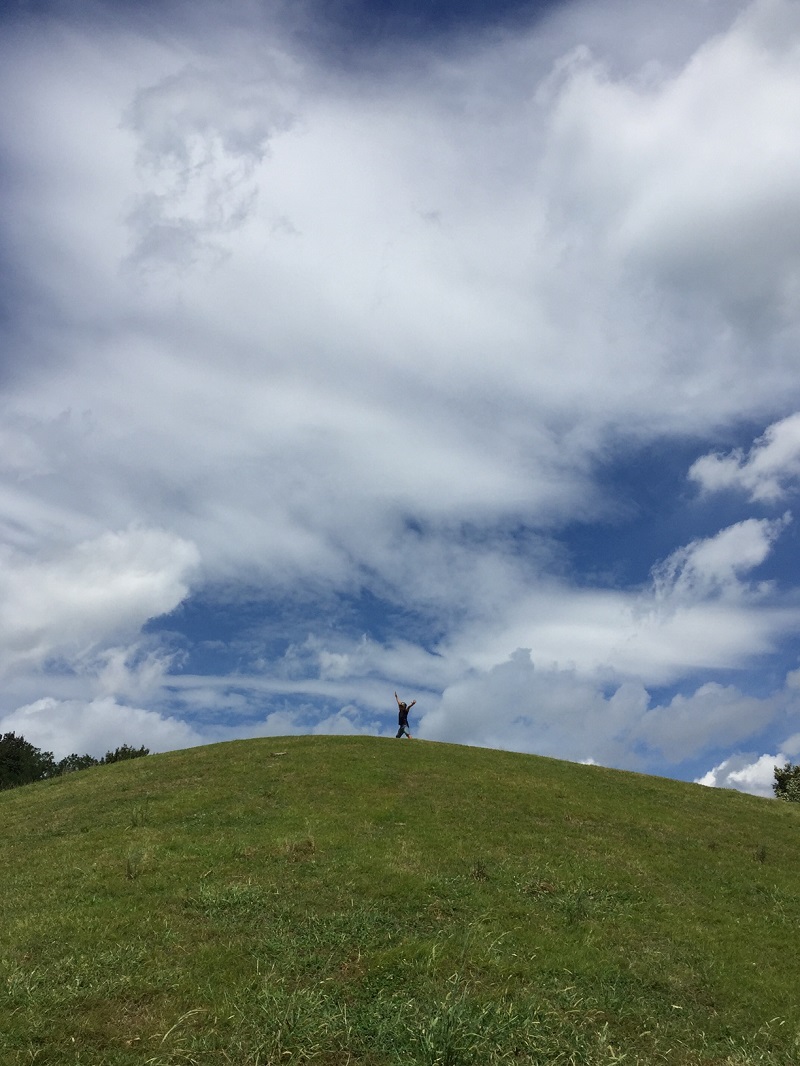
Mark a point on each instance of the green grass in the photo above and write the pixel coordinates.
(345, 900)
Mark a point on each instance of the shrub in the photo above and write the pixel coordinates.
(73, 762)
(125, 752)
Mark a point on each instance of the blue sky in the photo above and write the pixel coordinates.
(351, 348)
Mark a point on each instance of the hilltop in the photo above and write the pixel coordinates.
(360, 900)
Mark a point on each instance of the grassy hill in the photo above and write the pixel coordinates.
(359, 900)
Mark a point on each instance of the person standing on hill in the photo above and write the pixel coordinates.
(403, 709)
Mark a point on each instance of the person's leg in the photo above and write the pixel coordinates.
(399, 733)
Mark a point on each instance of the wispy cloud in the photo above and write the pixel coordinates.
(714, 567)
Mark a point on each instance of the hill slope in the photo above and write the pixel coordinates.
(360, 900)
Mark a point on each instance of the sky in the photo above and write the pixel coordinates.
(448, 349)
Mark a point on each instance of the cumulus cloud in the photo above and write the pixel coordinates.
(558, 712)
(69, 601)
(767, 473)
(97, 726)
(553, 712)
(681, 175)
(745, 773)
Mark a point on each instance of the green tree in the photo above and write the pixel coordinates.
(786, 785)
(21, 762)
(70, 763)
(125, 752)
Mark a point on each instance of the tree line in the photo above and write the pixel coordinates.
(22, 762)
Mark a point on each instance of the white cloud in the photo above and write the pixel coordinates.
(67, 602)
(349, 720)
(96, 726)
(201, 135)
(552, 712)
(688, 173)
(714, 566)
(701, 612)
(692, 724)
(132, 672)
(792, 747)
(615, 634)
(557, 712)
(371, 359)
(767, 473)
(745, 773)
(337, 328)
